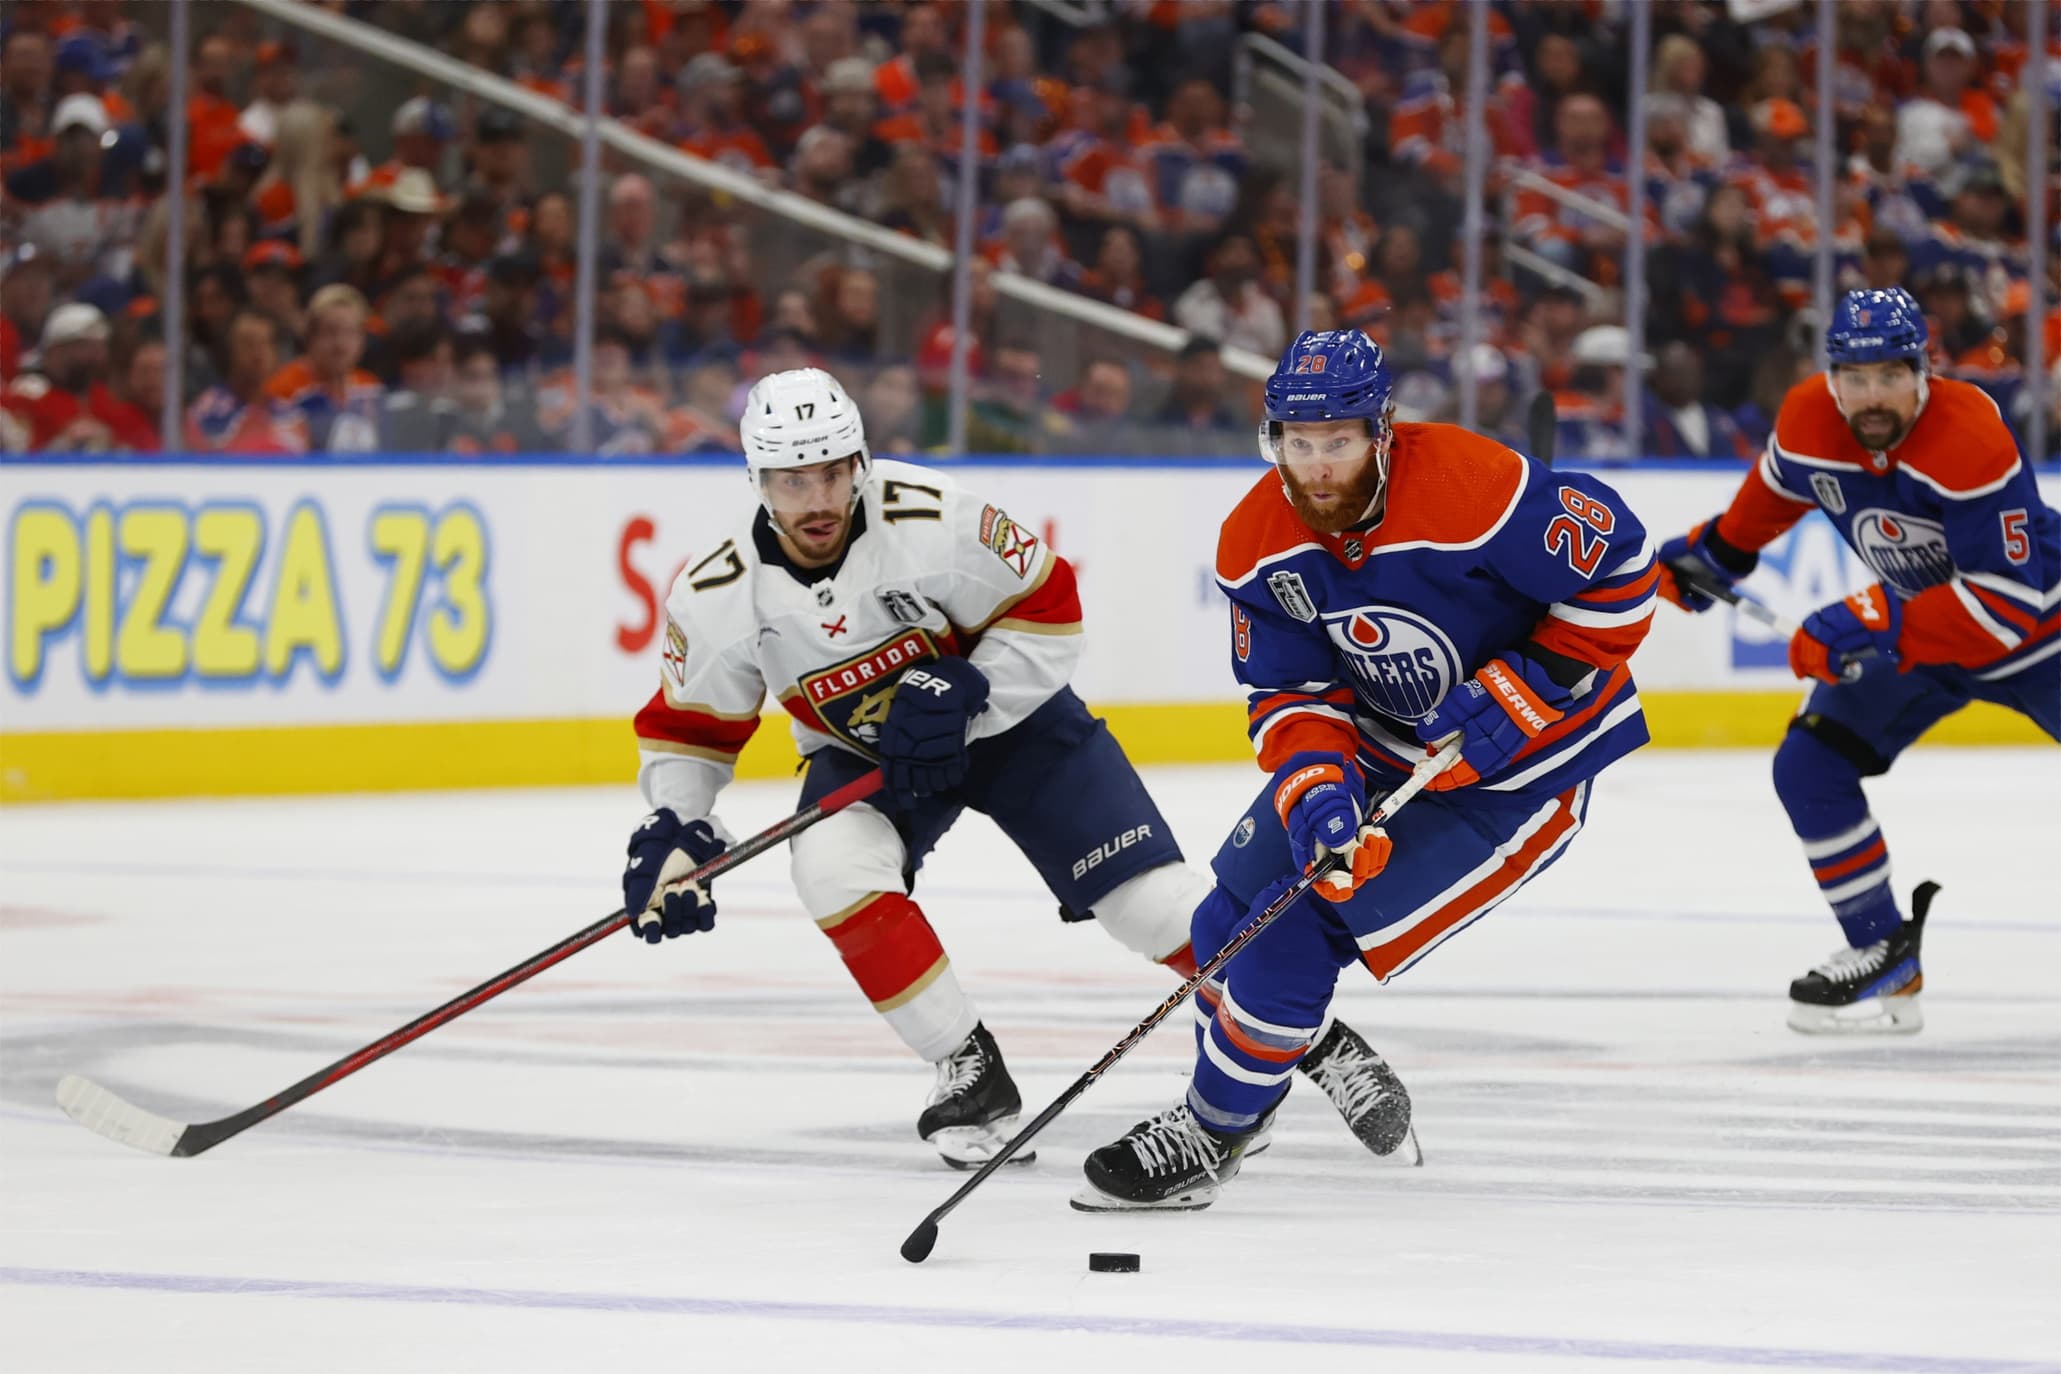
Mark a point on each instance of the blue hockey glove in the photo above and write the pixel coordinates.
(1322, 802)
(1704, 556)
(663, 851)
(1863, 629)
(923, 747)
(1496, 713)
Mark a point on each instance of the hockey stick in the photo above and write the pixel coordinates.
(923, 1239)
(1540, 427)
(1850, 667)
(101, 1111)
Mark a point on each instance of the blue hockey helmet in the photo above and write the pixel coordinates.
(1330, 374)
(1876, 326)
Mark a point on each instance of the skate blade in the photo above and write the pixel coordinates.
(1407, 1154)
(1093, 1199)
(1874, 1016)
(969, 1147)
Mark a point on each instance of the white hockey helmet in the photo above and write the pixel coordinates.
(793, 419)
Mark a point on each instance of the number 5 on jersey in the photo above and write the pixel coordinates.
(1578, 535)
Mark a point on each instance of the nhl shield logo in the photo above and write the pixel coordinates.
(1830, 494)
(1354, 550)
(824, 595)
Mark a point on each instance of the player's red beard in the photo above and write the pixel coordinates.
(1347, 502)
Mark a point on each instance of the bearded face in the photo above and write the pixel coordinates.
(1334, 472)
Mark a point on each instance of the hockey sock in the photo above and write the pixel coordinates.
(898, 962)
(1243, 1067)
(1820, 787)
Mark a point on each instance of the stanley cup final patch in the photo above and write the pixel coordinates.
(1293, 596)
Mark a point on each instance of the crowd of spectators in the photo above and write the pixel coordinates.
(370, 264)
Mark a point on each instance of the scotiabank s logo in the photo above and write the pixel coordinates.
(1404, 664)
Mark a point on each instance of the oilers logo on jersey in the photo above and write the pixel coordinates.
(1906, 552)
(1403, 663)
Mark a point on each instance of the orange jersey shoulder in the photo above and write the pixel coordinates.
(1261, 526)
(1447, 485)
(1961, 443)
(1809, 424)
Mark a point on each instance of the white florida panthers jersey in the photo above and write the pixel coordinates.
(929, 571)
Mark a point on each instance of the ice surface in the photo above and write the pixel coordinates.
(701, 1156)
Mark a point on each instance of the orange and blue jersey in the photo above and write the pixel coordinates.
(1344, 642)
(1950, 520)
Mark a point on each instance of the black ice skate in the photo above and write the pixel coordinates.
(1366, 1091)
(1171, 1163)
(973, 1107)
(1871, 991)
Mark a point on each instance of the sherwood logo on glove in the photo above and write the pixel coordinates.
(1514, 700)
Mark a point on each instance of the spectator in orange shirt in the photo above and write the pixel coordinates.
(211, 116)
(1101, 178)
(337, 400)
(933, 120)
(26, 97)
(924, 32)
(711, 93)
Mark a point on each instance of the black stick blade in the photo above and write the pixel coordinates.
(921, 1242)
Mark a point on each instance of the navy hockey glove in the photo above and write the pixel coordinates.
(923, 747)
(1704, 556)
(663, 851)
(1496, 712)
(1863, 628)
(1322, 801)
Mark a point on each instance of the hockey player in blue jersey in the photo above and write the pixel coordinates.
(1922, 478)
(1391, 585)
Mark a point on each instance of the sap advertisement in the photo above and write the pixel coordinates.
(165, 596)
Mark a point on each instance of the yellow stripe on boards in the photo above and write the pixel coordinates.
(77, 765)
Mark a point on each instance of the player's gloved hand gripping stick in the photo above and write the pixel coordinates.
(923, 1239)
(1851, 666)
(97, 1109)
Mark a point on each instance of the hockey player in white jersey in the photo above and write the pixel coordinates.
(906, 624)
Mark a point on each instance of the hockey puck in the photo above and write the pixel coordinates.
(1111, 1262)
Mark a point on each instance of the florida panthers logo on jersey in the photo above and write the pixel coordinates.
(1906, 553)
(1404, 664)
(851, 698)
